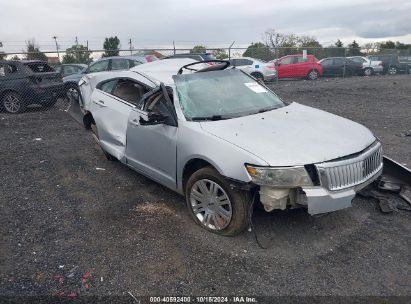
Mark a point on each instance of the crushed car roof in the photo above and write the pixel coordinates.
(162, 70)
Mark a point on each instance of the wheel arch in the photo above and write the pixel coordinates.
(254, 73)
(88, 120)
(193, 165)
(6, 91)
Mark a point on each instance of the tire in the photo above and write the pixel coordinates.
(106, 154)
(313, 75)
(13, 103)
(368, 72)
(229, 218)
(257, 76)
(72, 90)
(392, 70)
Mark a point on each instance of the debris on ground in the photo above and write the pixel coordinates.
(86, 280)
(100, 169)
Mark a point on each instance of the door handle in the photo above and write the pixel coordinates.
(100, 103)
(134, 122)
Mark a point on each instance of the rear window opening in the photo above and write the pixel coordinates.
(39, 67)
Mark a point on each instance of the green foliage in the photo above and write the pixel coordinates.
(15, 57)
(339, 44)
(259, 50)
(77, 54)
(2, 55)
(220, 54)
(33, 51)
(354, 49)
(199, 49)
(111, 47)
(387, 45)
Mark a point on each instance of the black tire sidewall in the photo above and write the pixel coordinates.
(239, 202)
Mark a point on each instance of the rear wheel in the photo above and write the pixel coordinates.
(214, 205)
(13, 103)
(368, 72)
(312, 75)
(257, 75)
(72, 91)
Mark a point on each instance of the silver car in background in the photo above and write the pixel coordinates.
(225, 141)
(369, 67)
(258, 69)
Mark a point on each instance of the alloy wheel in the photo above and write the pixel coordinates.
(392, 71)
(72, 92)
(313, 75)
(12, 103)
(211, 204)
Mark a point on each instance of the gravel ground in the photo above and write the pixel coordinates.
(75, 224)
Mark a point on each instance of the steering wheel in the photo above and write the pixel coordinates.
(221, 65)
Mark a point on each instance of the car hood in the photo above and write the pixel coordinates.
(73, 77)
(293, 135)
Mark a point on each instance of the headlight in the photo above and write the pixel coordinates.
(287, 177)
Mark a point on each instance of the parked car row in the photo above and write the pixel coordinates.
(15, 97)
(309, 67)
(23, 83)
(177, 121)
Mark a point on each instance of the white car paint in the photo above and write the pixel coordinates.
(288, 136)
(254, 66)
(376, 66)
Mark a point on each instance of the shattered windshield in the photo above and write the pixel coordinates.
(224, 94)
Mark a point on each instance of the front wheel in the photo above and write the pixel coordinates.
(214, 205)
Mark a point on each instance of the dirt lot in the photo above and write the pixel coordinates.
(74, 223)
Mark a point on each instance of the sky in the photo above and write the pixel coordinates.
(157, 23)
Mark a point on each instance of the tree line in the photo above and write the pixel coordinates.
(273, 45)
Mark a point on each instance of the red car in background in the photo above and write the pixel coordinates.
(296, 66)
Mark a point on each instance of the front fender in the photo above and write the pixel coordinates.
(228, 159)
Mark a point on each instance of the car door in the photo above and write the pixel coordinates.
(285, 67)
(152, 148)
(339, 66)
(111, 104)
(301, 66)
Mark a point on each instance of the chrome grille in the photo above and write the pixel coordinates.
(352, 171)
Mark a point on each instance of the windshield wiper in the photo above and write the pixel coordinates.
(214, 117)
(265, 110)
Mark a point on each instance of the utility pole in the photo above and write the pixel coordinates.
(229, 50)
(131, 46)
(57, 47)
(174, 48)
(77, 51)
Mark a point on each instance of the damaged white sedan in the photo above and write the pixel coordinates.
(223, 140)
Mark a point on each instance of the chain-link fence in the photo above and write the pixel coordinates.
(29, 79)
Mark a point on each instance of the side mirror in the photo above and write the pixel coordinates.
(153, 119)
